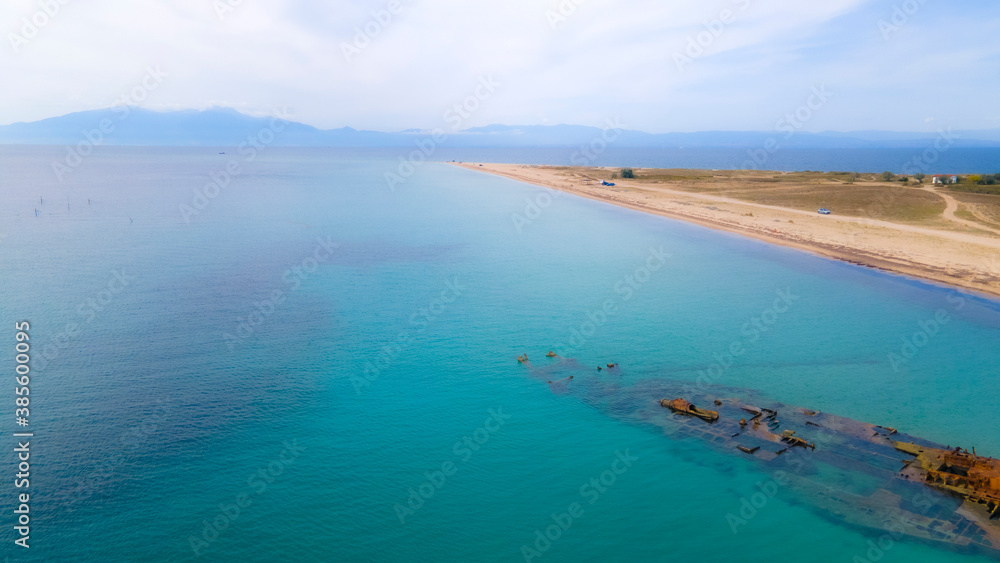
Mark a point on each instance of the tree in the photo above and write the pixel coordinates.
(919, 177)
(887, 176)
(627, 173)
(975, 179)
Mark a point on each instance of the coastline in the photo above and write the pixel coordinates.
(963, 258)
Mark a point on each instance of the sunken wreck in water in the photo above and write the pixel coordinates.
(855, 473)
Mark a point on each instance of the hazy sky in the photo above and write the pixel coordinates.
(655, 65)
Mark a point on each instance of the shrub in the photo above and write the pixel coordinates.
(888, 176)
(989, 179)
(628, 173)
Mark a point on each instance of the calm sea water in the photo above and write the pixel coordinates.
(898, 160)
(275, 376)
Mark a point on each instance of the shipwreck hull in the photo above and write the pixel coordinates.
(848, 471)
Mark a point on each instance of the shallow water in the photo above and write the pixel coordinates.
(378, 360)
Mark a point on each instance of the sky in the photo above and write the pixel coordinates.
(653, 65)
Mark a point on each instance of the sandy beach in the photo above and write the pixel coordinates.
(919, 230)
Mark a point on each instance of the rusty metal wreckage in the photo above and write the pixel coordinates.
(855, 473)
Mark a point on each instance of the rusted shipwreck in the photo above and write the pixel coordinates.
(965, 513)
(684, 407)
(967, 475)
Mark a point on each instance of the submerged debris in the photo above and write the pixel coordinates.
(847, 470)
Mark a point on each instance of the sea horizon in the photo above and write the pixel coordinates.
(957, 160)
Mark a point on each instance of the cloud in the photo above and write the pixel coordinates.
(595, 59)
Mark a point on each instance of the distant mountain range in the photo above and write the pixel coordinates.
(224, 127)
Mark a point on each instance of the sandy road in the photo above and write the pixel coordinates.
(951, 206)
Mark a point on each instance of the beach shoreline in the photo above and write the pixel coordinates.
(964, 257)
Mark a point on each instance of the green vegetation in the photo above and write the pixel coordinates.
(979, 184)
(966, 214)
(675, 175)
(888, 176)
(919, 177)
(627, 173)
(976, 188)
(987, 179)
(866, 196)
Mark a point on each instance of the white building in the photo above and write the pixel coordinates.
(941, 179)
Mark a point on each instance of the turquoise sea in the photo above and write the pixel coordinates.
(311, 366)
